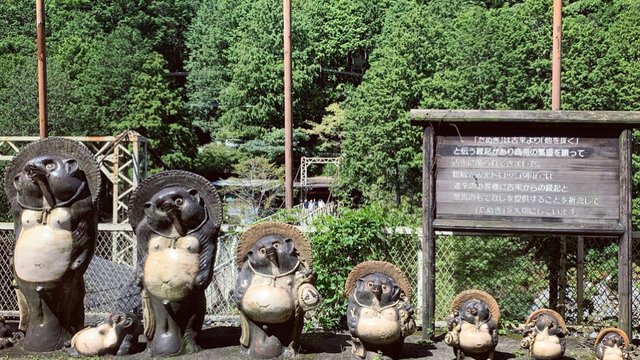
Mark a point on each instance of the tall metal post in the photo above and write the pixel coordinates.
(42, 68)
(557, 55)
(288, 121)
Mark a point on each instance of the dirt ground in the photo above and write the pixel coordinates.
(222, 343)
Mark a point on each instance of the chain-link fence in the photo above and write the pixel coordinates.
(109, 280)
(576, 276)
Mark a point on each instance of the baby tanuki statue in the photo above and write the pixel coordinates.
(473, 325)
(176, 216)
(53, 187)
(379, 314)
(544, 335)
(612, 344)
(274, 289)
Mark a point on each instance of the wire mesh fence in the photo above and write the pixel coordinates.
(577, 277)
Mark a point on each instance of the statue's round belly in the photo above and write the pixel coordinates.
(170, 274)
(42, 254)
(549, 349)
(475, 342)
(613, 353)
(268, 304)
(378, 330)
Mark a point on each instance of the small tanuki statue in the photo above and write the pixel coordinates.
(176, 216)
(53, 187)
(544, 335)
(612, 344)
(473, 325)
(379, 314)
(274, 289)
(118, 335)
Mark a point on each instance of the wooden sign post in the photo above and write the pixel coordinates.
(507, 172)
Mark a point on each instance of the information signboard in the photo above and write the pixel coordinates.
(528, 180)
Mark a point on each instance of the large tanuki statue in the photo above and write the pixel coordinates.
(176, 216)
(274, 289)
(544, 332)
(53, 187)
(612, 344)
(473, 325)
(379, 314)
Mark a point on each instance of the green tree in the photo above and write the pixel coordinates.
(156, 111)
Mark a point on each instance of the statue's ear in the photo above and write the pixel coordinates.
(395, 293)
(148, 209)
(71, 165)
(290, 246)
(16, 180)
(194, 193)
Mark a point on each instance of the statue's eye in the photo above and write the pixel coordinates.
(50, 166)
(179, 201)
(276, 245)
(385, 288)
(263, 251)
(370, 284)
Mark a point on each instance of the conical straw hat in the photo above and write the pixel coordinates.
(605, 331)
(534, 315)
(269, 228)
(467, 295)
(371, 267)
(166, 179)
(58, 146)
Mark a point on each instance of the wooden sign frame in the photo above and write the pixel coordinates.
(507, 172)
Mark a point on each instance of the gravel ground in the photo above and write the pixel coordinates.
(222, 343)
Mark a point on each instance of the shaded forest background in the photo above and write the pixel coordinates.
(203, 79)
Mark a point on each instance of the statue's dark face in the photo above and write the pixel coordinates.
(378, 288)
(56, 178)
(612, 339)
(175, 208)
(475, 310)
(273, 251)
(545, 321)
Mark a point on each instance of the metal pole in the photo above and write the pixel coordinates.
(557, 55)
(42, 68)
(288, 121)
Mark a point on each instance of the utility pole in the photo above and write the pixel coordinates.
(288, 121)
(42, 68)
(557, 55)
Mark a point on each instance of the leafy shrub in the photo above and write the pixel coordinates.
(340, 243)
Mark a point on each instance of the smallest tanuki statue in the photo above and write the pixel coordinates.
(473, 325)
(544, 335)
(176, 216)
(379, 314)
(612, 344)
(274, 289)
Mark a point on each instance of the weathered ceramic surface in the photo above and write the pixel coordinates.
(379, 314)
(116, 336)
(274, 289)
(53, 187)
(176, 216)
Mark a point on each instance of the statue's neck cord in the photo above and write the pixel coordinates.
(174, 238)
(379, 310)
(58, 205)
(274, 276)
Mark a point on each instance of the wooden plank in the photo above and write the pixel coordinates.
(506, 226)
(428, 239)
(625, 250)
(608, 118)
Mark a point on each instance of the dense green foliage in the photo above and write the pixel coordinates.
(188, 74)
